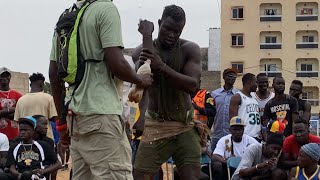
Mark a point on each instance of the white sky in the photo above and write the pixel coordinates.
(27, 27)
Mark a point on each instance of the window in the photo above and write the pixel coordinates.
(237, 13)
(238, 66)
(306, 67)
(271, 39)
(237, 39)
(307, 39)
(270, 68)
(307, 11)
(270, 12)
(307, 95)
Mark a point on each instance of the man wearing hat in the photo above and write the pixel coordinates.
(232, 145)
(26, 158)
(260, 161)
(308, 168)
(8, 100)
(222, 97)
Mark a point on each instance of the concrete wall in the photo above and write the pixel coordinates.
(20, 82)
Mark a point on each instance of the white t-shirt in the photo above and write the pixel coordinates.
(223, 147)
(4, 142)
(262, 102)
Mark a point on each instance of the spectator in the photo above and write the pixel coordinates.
(222, 97)
(27, 158)
(292, 144)
(260, 161)
(8, 98)
(282, 107)
(303, 105)
(232, 145)
(37, 102)
(244, 105)
(308, 168)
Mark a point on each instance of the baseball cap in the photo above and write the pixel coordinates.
(236, 121)
(4, 69)
(30, 120)
(233, 70)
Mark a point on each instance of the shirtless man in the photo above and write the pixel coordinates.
(166, 108)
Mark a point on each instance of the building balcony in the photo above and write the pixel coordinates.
(311, 17)
(270, 17)
(307, 73)
(272, 73)
(304, 45)
(313, 102)
(270, 45)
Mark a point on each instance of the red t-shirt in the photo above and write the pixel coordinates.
(292, 147)
(9, 99)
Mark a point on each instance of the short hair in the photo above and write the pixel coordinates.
(302, 121)
(37, 77)
(247, 78)
(175, 12)
(277, 77)
(297, 82)
(261, 75)
(37, 117)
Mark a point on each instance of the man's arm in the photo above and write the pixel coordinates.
(234, 105)
(285, 163)
(120, 68)
(57, 87)
(307, 111)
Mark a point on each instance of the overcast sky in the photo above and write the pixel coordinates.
(27, 27)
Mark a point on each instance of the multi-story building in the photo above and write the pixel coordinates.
(277, 37)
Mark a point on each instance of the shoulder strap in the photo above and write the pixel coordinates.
(232, 151)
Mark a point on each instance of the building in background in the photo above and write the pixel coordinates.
(279, 38)
(20, 82)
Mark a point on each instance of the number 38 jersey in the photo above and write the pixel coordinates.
(249, 111)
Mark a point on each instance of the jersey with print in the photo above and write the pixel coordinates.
(301, 175)
(249, 112)
(27, 157)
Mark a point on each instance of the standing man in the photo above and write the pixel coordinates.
(282, 107)
(222, 97)
(244, 105)
(9, 99)
(99, 145)
(169, 127)
(304, 107)
(37, 102)
(263, 95)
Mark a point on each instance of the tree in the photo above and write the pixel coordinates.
(47, 88)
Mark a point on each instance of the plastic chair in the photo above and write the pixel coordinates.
(232, 162)
(206, 161)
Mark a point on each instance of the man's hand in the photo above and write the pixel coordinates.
(156, 61)
(268, 164)
(38, 172)
(145, 27)
(138, 127)
(145, 80)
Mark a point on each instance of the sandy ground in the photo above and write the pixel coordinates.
(64, 175)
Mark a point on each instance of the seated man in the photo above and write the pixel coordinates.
(230, 145)
(26, 159)
(292, 144)
(259, 161)
(308, 167)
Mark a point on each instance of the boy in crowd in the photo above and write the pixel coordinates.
(27, 158)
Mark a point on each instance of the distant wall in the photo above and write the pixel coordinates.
(20, 82)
